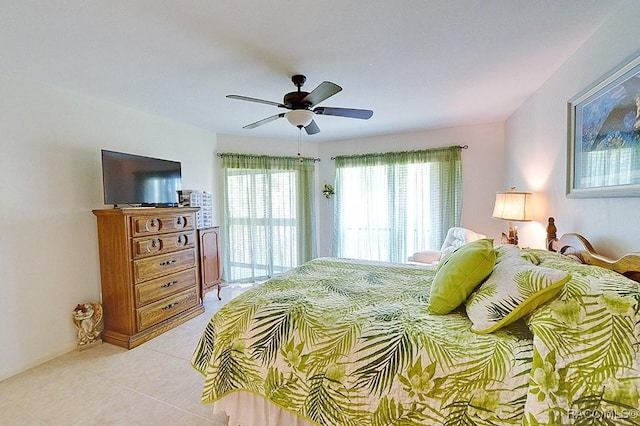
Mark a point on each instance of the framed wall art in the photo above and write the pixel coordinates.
(604, 136)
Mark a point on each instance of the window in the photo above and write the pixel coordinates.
(388, 206)
(268, 223)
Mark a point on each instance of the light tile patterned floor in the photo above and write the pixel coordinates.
(153, 384)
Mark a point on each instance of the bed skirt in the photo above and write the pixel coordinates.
(247, 409)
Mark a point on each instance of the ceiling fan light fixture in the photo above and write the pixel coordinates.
(303, 107)
(299, 117)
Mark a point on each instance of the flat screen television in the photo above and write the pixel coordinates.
(136, 180)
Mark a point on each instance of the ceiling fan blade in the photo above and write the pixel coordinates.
(312, 128)
(325, 90)
(264, 121)
(363, 114)
(260, 101)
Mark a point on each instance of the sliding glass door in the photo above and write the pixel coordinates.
(268, 223)
(393, 204)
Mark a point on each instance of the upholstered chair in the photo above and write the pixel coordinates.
(456, 237)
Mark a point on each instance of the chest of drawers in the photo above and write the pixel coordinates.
(149, 272)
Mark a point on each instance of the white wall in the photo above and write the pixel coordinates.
(482, 168)
(50, 175)
(536, 141)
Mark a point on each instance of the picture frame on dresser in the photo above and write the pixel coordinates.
(603, 155)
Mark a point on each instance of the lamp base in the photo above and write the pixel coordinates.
(512, 237)
(509, 239)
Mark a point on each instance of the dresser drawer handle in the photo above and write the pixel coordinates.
(154, 243)
(180, 238)
(170, 284)
(170, 305)
(168, 262)
(179, 220)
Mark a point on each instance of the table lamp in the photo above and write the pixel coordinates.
(512, 206)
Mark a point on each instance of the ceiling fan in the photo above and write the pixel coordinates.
(301, 103)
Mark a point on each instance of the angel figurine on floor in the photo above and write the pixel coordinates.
(87, 318)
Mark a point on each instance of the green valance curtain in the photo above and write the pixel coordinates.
(269, 223)
(389, 205)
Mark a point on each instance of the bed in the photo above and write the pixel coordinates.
(545, 338)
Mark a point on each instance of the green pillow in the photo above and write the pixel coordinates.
(513, 290)
(459, 273)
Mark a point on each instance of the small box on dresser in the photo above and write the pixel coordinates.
(149, 270)
(202, 199)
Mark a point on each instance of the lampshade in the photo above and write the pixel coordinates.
(299, 117)
(513, 205)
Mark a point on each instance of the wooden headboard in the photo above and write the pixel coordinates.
(577, 247)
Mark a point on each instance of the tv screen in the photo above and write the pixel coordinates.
(137, 180)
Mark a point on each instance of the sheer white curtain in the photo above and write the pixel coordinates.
(268, 215)
(393, 204)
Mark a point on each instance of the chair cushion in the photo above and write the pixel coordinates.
(425, 256)
(459, 273)
(458, 236)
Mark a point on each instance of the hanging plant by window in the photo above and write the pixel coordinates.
(328, 191)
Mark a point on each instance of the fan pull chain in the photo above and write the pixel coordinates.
(300, 159)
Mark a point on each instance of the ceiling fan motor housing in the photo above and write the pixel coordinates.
(293, 100)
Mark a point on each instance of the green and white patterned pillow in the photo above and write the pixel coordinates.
(514, 289)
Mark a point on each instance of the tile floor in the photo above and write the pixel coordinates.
(153, 384)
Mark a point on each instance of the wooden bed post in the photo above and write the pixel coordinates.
(552, 237)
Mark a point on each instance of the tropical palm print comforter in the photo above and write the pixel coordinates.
(344, 342)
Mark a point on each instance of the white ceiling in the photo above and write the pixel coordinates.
(418, 64)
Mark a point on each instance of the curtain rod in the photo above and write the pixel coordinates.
(222, 154)
(459, 146)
